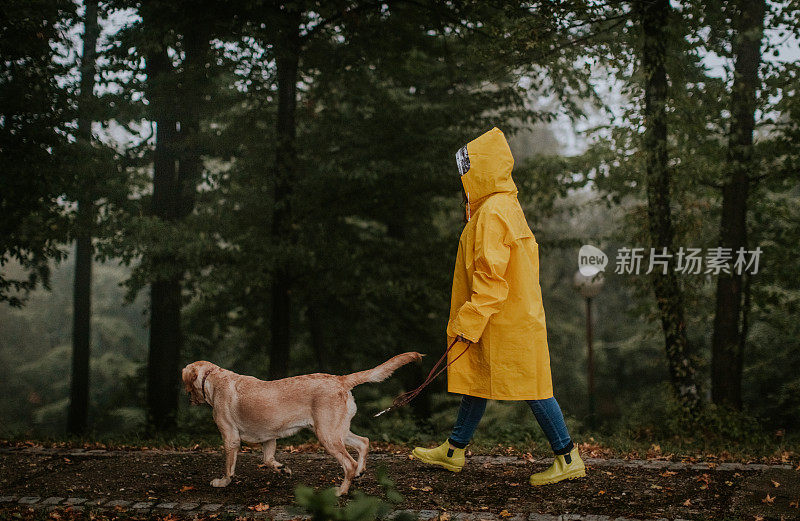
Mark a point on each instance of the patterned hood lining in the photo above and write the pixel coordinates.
(462, 160)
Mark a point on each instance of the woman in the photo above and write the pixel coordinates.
(496, 314)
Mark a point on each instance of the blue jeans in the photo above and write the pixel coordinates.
(547, 412)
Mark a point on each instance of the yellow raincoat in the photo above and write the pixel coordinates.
(496, 300)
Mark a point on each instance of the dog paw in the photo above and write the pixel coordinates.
(220, 482)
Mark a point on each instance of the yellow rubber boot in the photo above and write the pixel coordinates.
(569, 466)
(445, 456)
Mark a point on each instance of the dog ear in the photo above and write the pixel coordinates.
(189, 375)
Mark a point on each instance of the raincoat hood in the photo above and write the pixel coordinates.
(485, 165)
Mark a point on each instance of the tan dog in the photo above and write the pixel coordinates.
(250, 410)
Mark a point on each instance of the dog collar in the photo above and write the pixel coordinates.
(203, 385)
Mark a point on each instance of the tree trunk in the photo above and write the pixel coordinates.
(165, 291)
(287, 62)
(177, 169)
(727, 342)
(78, 412)
(194, 87)
(654, 16)
(317, 334)
(415, 374)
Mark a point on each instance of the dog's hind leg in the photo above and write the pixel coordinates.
(332, 425)
(361, 444)
(339, 451)
(232, 443)
(268, 448)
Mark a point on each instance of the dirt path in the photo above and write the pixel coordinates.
(487, 486)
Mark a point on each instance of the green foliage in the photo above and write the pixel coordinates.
(658, 419)
(324, 505)
(725, 424)
(35, 357)
(34, 117)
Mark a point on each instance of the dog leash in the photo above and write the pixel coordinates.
(406, 397)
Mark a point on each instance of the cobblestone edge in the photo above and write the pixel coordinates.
(280, 513)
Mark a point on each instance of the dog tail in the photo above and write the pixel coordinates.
(382, 372)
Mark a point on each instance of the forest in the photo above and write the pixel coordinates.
(271, 186)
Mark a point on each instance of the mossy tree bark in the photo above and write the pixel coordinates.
(654, 19)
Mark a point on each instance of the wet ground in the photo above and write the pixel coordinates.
(487, 484)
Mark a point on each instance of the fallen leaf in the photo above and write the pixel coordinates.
(729, 483)
(768, 499)
(444, 516)
(657, 487)
(505, 513)
(261, 507)
(186, 488)
(794, 504)
(758, 518)
(775, 484)
(528, 457)
(668, 473)
(601, 492)
(687, 503)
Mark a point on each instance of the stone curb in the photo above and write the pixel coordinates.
(492, 460)
(282, 513)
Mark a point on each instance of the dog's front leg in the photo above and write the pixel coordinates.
(268, 448)
(231, 443)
